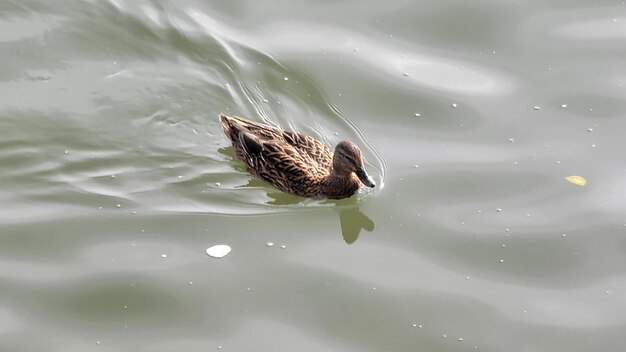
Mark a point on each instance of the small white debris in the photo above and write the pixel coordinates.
(270, 244)
(454, 105)
(163, 255)
(218, 184)
(417, 114)
(564, 106)
(218, 251)
(537, 107)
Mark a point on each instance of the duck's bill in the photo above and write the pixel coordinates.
(365, 178)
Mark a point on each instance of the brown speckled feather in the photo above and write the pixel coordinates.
(292, 162)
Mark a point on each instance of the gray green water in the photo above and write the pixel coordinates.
(115, 176)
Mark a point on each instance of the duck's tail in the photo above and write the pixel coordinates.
(230, 126)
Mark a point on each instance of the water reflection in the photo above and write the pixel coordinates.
(352, 220)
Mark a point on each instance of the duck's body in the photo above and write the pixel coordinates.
(295, 163)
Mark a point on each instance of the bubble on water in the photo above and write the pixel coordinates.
(190, 282)
(163, 255)
(564, 235)
(444, 336)
(564, 106)
(468, 277)
(282, 246)
(406, 74)
(537, 107)
(511, 140)
(417, 114)
(416, 166)
(118, 205)
(460, 339)
(593, 146)
(218, 251)
(498, 210)
(589, 129)
(501, 260)
(270, 244)
(454, 105)
(607, 292)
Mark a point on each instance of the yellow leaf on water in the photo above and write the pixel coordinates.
(577, 180)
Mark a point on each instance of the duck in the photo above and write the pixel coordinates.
(296, 163)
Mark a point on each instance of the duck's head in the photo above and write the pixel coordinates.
(347, 159)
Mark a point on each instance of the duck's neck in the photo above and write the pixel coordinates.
(337, 186)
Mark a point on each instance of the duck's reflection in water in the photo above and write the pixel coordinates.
(352, 220)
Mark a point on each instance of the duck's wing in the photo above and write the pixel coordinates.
(279, 163)
(314, 148)
(317, 151)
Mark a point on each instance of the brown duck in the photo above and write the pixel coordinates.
(295, 163)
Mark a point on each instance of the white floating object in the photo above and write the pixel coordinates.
(218, 251)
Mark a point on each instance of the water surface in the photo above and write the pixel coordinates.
(116, 176)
